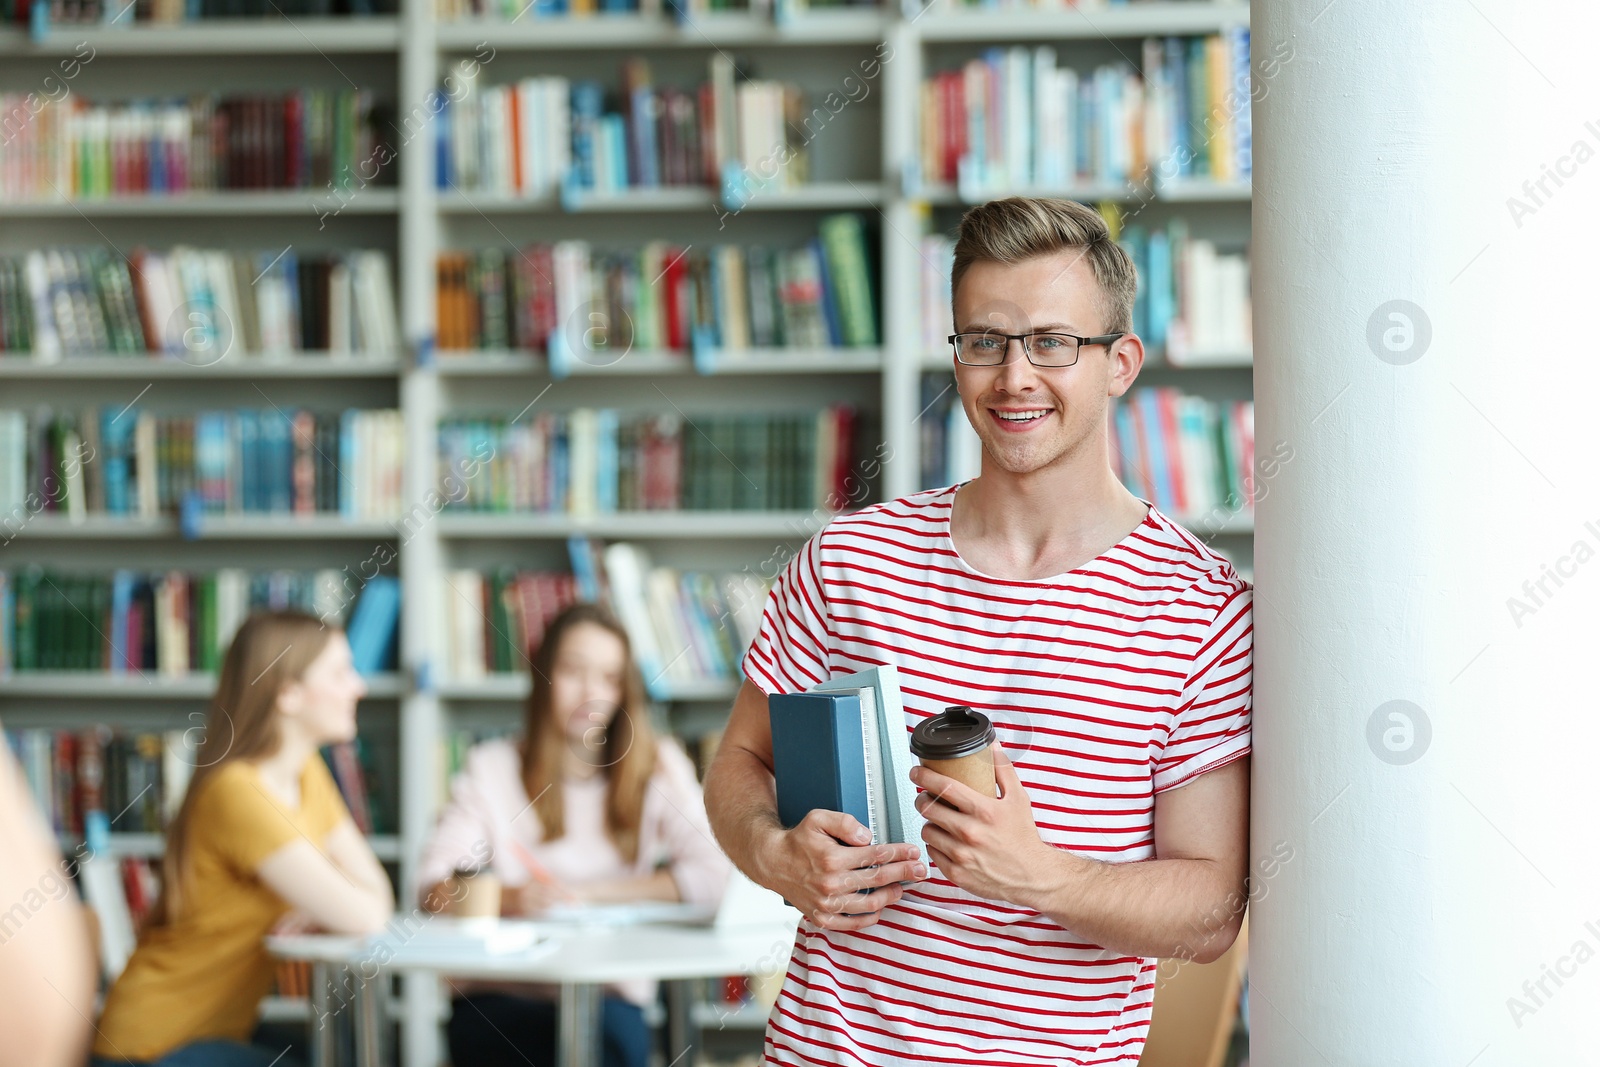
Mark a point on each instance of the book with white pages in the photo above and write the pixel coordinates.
(887, 740)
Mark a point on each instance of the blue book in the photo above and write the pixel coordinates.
(846, 746)
(587, 101)
(1155, 445)
(1158, 286)
(444, 176)
(830, 300)
(643, 109)
(277, 447)
(121, 604)
(818, 755)
(374, 625)
(116, 438)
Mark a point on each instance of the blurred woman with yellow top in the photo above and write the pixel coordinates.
(263, 840)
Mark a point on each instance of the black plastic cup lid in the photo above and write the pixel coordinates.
(955, 732)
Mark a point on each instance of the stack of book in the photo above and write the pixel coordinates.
(600, 305)
(1014, 118)
(138, 779)
(312, 139)
(171, 623)
(1193, 305)
(122, 12)
(1191, 457)
(529, 137)
(599, 461)
(126, 461)
(199, 305)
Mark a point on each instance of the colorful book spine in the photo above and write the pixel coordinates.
(561, 462)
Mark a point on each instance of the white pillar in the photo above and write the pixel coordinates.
(1442, 902)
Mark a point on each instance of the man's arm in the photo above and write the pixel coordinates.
(1187, 902)
(807, 864)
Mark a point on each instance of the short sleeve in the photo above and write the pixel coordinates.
(790, 652)
(322, 806)
(240, 821)
(1211, 726)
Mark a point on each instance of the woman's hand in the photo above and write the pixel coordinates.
(535, 896)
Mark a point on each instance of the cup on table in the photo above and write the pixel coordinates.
(956, 743)
(474, 895)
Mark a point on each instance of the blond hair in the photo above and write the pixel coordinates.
(1020, 228)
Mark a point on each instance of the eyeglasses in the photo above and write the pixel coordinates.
(988, 348)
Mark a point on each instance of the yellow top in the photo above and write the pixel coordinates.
(203, 976)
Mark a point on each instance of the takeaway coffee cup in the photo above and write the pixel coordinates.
(475, 895)
(956, 744)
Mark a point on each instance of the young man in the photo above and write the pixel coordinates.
(1111, 649)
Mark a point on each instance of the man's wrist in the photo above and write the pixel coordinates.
(1055, 877)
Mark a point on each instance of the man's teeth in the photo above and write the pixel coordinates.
(1021, 416)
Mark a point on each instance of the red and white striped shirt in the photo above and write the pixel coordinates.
(1106, 685)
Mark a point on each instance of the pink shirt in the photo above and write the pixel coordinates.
(489, 808)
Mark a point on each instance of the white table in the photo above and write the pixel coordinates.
(581, 961)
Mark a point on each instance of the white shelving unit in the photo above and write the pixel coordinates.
(403, 59)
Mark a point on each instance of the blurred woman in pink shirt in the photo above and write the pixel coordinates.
(590, 807)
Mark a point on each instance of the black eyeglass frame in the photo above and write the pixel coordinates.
(1027, 350)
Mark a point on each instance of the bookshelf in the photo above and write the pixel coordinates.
(864, 160)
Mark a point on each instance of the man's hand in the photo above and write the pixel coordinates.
(815, 873)
(989, 847)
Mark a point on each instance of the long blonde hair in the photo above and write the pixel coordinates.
(270, 650)
(627, 756)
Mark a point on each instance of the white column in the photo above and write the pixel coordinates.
(1426, 220)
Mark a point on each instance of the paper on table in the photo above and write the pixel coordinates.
(443, 933)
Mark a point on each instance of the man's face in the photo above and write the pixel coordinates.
(1068, 404)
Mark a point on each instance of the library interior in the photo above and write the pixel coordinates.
(482, 581)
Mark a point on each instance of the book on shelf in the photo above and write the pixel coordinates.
(1193, 304)
(126, 461)
(597, 306)
(537, 135)
(169, 623)
(199, 305)
(312, 139)
(686, 627)
(448, 10)
(590, 461)
(171, 12)
(494, 620)
(1191, 457)
(136, 779)
(1019, 118)
(1194, 300)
